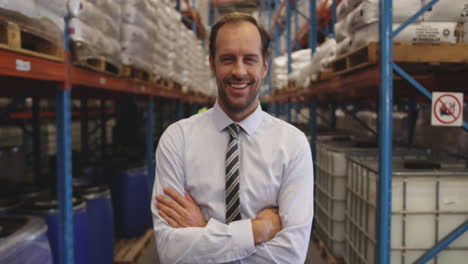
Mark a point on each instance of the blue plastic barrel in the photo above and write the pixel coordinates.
(47, 207)
(100, 222)
(23, 240)
(131, 200)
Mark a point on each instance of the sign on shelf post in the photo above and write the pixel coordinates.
(447, 109)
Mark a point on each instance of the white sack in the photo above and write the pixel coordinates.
(422, 32)
(342, 10)
(447, 11)
(343, 46)
(58, 7)
(368, 12)
(25, 7)
(342, 29)
(301, 55)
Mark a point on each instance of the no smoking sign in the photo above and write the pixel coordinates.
(447, 109)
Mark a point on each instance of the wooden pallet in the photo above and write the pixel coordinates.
(27, 39)
(167, 84)
(326, 255)
(131, 72)
(129, 251)
(99, 64)
(291, 86)
(325, 76)
(417, 57)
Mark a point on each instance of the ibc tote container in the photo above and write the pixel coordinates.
(330, 182)
(429, 200)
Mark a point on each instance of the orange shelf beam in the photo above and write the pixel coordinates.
(24, 66)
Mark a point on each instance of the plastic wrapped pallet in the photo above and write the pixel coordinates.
(422, 32)
(91, 43)
(47, 16)
(95, 30)
(26, 7)
(326, 50)
(368, 12)
(138, 34)
(447, 11)
(53, 10)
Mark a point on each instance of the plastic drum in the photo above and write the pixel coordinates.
(100, 222)
(47, 207)
(131, 200)
(23, 240)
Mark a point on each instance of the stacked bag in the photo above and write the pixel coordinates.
(301, 60)
(145, 34)
(321, 59)
(191, 63)
(139, 33)
(46, 14)
(169, 22)
(358, 22)
(95, 29)
(279, 72)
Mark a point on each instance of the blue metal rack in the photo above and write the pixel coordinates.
(386, 69)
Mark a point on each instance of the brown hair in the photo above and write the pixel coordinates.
(236, 18)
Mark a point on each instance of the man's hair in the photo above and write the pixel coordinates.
(233, 18)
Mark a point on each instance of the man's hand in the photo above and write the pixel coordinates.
(266, 225)
(179, 211)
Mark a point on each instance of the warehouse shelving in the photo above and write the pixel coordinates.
(25, 75)
(362, 86)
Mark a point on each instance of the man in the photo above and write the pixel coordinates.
(234, 184)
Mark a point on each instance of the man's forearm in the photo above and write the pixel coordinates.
(214, 243)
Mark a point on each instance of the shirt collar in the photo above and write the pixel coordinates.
(249, 124)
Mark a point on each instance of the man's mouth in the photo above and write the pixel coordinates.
(239, 86)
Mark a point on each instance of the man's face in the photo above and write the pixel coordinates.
(239, 67)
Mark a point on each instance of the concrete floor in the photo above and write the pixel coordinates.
(150, 256)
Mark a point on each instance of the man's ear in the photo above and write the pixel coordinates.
(212, 67)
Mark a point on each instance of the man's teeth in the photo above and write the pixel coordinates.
(239, 86)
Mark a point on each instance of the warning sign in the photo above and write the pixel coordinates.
(447, 109)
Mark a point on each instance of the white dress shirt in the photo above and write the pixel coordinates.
(275, 171)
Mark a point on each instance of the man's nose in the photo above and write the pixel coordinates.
(239, 69)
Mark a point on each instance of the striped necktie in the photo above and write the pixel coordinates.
(232, 176)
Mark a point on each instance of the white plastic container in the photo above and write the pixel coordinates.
(331, 180)
(427, 204)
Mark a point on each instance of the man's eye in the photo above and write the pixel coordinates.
(226, 60)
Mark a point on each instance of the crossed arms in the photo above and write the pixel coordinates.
(275, 235)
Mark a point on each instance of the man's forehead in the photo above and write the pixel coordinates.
(239, 36)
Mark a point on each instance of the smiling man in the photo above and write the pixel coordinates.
(234, 184)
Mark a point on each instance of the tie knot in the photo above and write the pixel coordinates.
(233, 130)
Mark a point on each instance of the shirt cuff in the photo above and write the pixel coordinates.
(242, 235)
